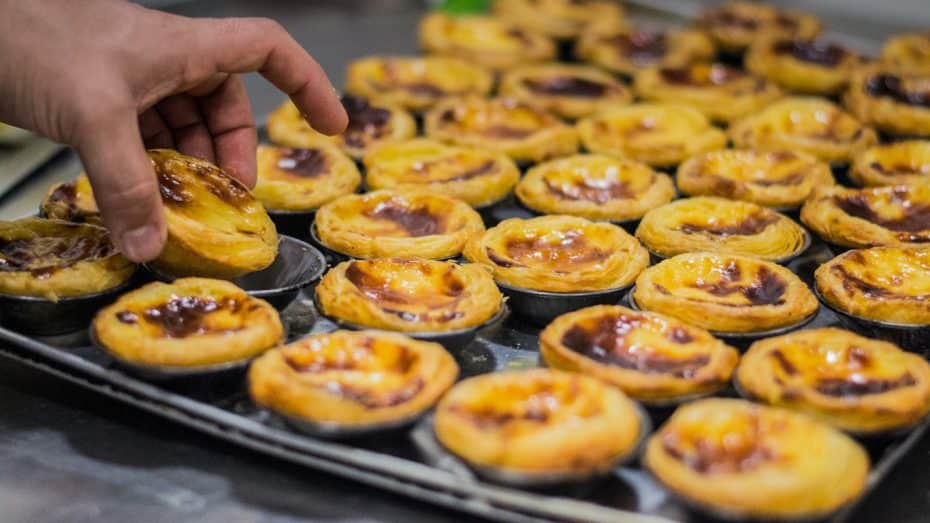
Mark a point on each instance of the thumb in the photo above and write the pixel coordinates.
(124, 184)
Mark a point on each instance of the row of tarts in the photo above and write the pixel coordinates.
(721, 279)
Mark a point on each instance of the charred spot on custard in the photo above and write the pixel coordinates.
(416, 220)
(171, 187)
(892, 86)
(857, 385)
(378, 289)
(915, 217)
(366, 122)
(305, 163)
(812, 51)
(566, 86)
(752, 224)
(605, 341)
(183, 316)
(729, 456)
(767, 287)
(572, 249)
(597, 191)
(717, 74)
(43, 256)
(640, 47)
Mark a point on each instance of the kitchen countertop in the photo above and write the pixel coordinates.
(71, 455)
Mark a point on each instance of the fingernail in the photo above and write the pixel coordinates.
(141, 244)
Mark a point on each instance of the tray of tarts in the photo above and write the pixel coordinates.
(514, 309)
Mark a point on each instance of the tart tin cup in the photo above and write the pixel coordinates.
(297, 265)
(43, 317)
(334, 430)
(655, 257)
(232, 370)
(910, 337)
(292, 223)
(868, 436)
(742, 340)
(424, 437)
(503, 209)
(452, 340)
(541, 307)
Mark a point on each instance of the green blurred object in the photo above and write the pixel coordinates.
(464, 7)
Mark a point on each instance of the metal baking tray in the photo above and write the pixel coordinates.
(392, 461)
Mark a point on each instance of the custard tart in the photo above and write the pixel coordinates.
(894, 215)
(562, 19)
(899, 163)
(721, 92)
(524, 132)
(652, 358)
(894, 99)
(53, 259)
(781, 180)
(558, 254)
(626, 51)
(370, 123)
(475, 175)
(485, 41)
(72, 201)
(740, 460)
(405, 223)
(408, 295)
(416, 82)
(725, 293)
(192, 322)
(887, 284)
(907, 50)
(569, 91)
(853, 383)
(811, 125)
(734, 26)
(660, 135)
(538, 423)
(596, 187)
(216, 227)
(292, 179)
(352, 380)
(803, 66)
(711, 224)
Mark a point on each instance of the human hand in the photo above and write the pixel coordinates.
(112, 78)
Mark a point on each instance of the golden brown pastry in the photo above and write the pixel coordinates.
(475, 175)
(594, 186)
(558, 254)
(887, 284)
(416, 83)
(216, 227)
(404, 223)
(562, 19)
(735, 25)
(894, 99)
(741, 460)
(853, 383)
(651, 357)
(72, 201)
(711, 224)
(523, 132)
(192, 322)
(352, 379)
(540, 422)
(721, 92)
(569, 91)
(627, 50)
(725, 293)
(660, 135)
(900, 163)
(485, 41)
(409, 295)
(54, 259)
(781, 180)
(894, 215)
(303, 179)
(370, 123)
(907, 50)
(801, 65)
(811, 125)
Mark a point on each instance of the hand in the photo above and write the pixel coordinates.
(112, 78)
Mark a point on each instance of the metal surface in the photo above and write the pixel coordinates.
(70, 455)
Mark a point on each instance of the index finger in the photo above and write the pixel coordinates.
(241, 45)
